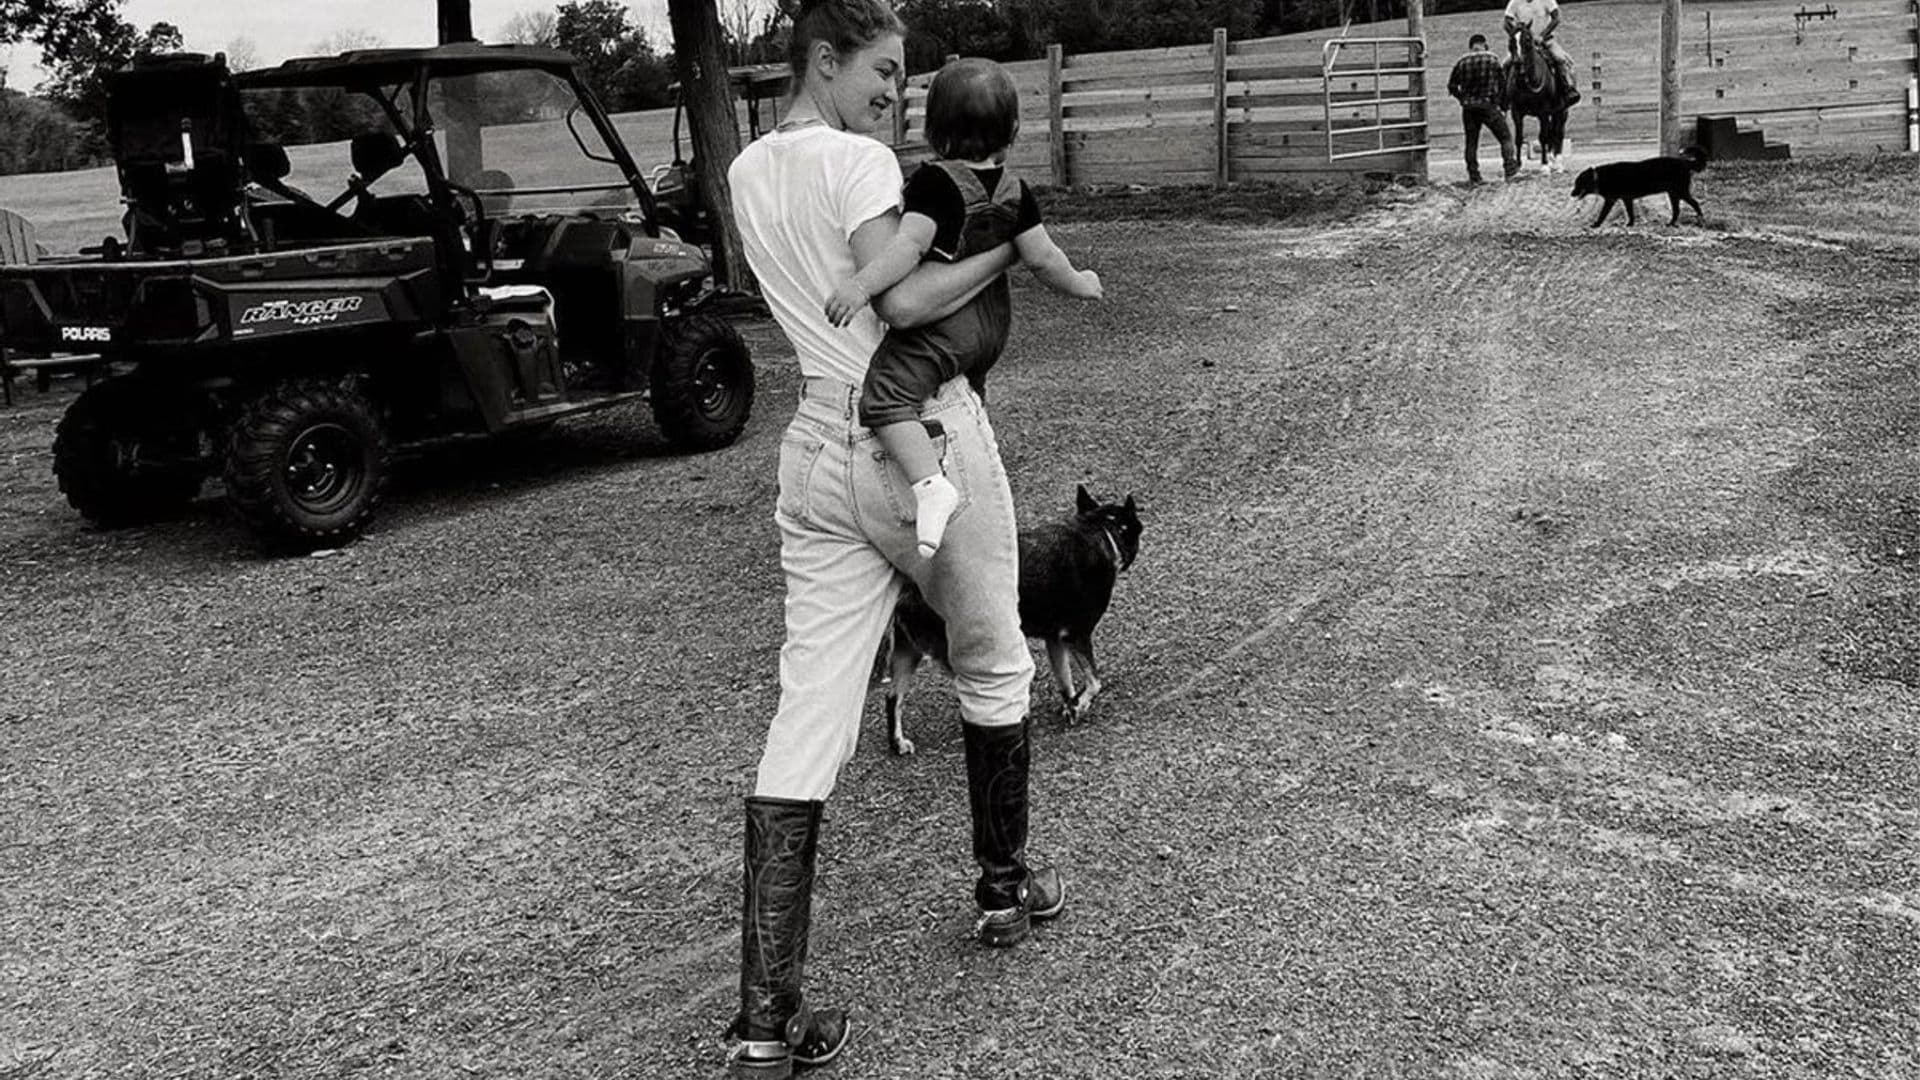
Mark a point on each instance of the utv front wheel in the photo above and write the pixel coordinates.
(702, 386)
(306, 464)
(123, 458)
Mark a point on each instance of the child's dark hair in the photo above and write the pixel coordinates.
(1477, 39)
(847, 25)
(973, 110)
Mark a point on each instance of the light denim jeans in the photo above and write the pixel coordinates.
(845, 514)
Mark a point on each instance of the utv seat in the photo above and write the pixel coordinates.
(170, 206)
(300, 217)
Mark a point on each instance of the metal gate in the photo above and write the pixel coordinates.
(1404, 110)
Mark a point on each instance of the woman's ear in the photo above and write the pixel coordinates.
(823, 59)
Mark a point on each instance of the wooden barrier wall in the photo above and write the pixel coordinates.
(1831, 75)
(1149, 116)
(1152, 116)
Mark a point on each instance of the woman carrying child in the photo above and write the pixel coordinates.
(817, 200)
(963, 203)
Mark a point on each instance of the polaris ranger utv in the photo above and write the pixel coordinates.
(285, 320)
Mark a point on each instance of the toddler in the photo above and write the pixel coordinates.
(961, 204)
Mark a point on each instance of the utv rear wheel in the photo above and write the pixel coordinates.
(123, 457)
(702, 385)
(306, 464)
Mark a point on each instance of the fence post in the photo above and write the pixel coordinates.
(1220, 107)
(1417, 83)
(1056, 116)
(1913, 92)
(1670, 135)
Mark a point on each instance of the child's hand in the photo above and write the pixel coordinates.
(1090, 288)
(846, 302)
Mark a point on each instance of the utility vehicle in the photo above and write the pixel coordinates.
(284, 316)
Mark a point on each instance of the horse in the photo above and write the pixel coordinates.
(1534, 90)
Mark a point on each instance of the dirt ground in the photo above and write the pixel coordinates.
(1519, 679)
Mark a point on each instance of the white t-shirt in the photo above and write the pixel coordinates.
(799, 196)
(1535, 14)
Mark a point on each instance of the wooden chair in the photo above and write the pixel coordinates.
(17, 246)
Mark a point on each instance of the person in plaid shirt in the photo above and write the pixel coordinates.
(1479, 81)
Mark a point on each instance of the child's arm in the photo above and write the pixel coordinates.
(1052, 266)
(888, 268)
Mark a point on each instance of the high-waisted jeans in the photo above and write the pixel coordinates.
(845, 514)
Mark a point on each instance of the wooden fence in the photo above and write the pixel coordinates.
(1254, 110)
(1224, 111)
(1831, 76)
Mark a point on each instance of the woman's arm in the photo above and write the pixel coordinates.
(933, 290)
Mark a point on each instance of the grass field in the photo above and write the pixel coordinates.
(1518, 680)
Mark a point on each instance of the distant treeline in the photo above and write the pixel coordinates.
(62, 124)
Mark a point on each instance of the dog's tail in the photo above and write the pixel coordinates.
(1696, 157)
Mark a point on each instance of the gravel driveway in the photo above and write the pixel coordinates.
(1519, 679)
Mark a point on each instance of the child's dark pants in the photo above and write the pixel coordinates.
(914, 362)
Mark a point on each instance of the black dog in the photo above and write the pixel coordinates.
(1067, 572)
(1625, 181)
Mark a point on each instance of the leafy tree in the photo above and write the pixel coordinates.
(937, 29)
(35, 136)
(39, 20)
(615, 58)
(329, 114)
(242, 54)
(81, 57)
(532, 28)
(1146, 24)
(753, 34)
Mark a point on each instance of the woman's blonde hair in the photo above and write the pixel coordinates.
(847, 25)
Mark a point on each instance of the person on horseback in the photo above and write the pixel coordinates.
(1541, 18)
(1480, 85)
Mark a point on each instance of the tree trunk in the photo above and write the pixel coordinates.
(464, 154)
(700, 62)
(456, 20)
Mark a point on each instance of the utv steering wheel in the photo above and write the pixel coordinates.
(482, 231)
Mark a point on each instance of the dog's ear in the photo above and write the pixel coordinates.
(1130, 507)
(1083, 502)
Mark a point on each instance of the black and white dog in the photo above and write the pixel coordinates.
(1067, 574)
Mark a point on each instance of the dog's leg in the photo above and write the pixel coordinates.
(1059, 660)
(1083, 648)
(1606, 207)
(1629, 203)
(903, 659)
(1674, 198)
(1698, 215)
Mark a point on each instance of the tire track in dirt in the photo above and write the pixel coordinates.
(1573, 442)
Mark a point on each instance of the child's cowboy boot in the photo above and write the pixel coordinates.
(1010, 895)
(777, 1030)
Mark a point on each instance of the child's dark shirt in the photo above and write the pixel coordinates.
(931, 191)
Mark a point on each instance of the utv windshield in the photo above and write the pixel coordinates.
(523, 142)
(520, 139)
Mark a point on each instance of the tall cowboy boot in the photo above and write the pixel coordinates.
(1010, 895)
(1569, 85)
(778, 1031)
